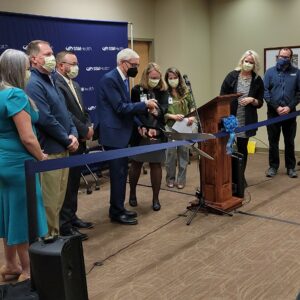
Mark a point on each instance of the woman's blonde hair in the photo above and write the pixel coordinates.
(255, 57)
(145, 76)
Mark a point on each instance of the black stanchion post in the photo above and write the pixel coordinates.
(31, 200)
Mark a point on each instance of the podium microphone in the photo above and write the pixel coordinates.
(188, 84)
(186, 80)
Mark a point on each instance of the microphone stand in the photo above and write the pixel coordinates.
(200, 191)
(188, 84)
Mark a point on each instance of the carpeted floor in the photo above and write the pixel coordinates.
(247, 256)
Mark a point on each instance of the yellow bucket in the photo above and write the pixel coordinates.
(251, 147)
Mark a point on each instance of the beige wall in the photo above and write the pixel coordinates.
(140, 13)
(203, 38)
(238, 25)
(170, 23)
(182, 39)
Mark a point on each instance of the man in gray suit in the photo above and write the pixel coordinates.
(67, 70)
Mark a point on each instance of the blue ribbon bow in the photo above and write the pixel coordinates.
(230, 124)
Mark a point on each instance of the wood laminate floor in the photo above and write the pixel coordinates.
(246, 256)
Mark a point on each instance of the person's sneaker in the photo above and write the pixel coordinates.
(271, 172)
(292, 173)
(170, 184)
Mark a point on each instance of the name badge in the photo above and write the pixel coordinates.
(143, 97)
(170, 101)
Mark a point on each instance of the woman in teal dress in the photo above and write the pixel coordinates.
(18, 143)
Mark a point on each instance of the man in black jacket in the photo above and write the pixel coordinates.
(67, 69)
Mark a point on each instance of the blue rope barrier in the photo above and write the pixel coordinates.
(79, 160)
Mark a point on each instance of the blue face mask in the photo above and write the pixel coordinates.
(282, 63)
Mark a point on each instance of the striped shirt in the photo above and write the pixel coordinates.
(243, 87)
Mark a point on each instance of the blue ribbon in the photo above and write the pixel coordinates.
(230, 124)
(79, 160)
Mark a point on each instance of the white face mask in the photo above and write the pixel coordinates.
(73, 73)
(173, 82)
(50, 63)
(153, 82)
(27, 76)
(247, 66)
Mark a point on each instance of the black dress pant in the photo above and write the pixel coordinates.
(68, 211)
(118, 171)
(242, 144)
(288, 128)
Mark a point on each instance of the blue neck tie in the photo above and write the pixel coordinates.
(126, 82)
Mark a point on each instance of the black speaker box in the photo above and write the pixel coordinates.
(238, 180)
(57, 269)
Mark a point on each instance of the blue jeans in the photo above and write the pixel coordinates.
(177, 156)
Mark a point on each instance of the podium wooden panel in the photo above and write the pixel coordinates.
(216, 175)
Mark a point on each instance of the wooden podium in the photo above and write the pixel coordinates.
(216, 175)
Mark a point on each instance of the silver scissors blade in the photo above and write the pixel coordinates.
(173, 135)
(202, 153)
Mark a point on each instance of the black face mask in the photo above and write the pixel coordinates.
(132, 72)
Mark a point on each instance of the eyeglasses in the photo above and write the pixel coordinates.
(74, 64)
(132, 65)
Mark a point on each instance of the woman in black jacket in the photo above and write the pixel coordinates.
(245, 81)
(152, 86)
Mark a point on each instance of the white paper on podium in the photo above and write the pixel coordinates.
(182, 127)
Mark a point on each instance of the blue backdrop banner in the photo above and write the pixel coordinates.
(95, 43)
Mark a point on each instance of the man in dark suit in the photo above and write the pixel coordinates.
(67, 69)
(116, 117)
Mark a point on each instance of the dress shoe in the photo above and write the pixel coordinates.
(133, 201)
(130, 213)
(72, 231)
(124, 219)
(180, 186)
(11, 274)
(156, 205)
(82, 224)
(271, 172)
(292, 173)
